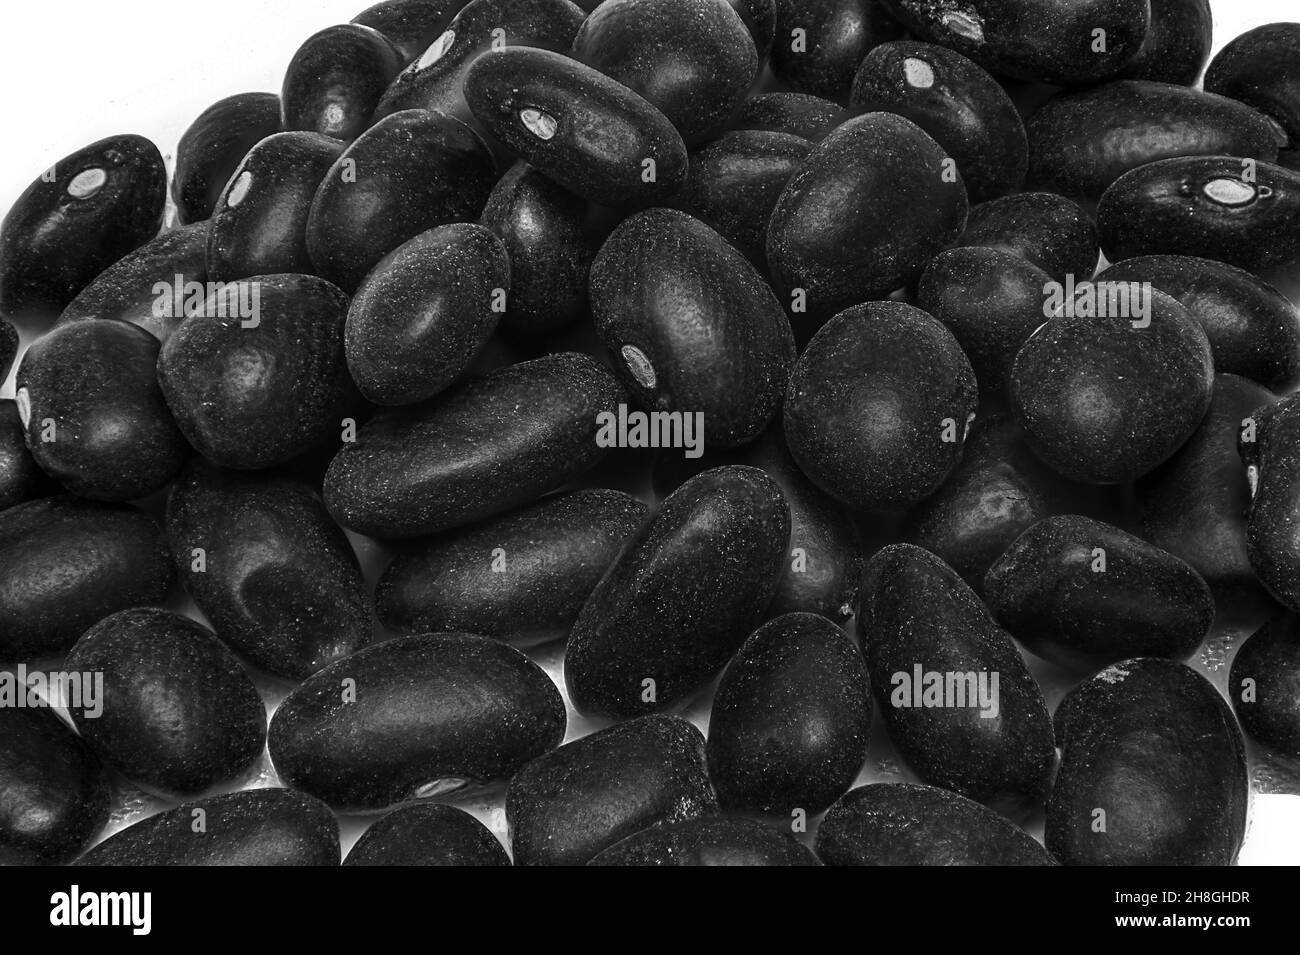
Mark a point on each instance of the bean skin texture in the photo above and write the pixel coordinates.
(21, 478)
(427, 834)
(708, 842)
(410, 25)
(819, 43)
(1050, 231)
(335, 80)
(214, 145)
(1262, 68)
(1177, 44)
(798, 114)
(1271, 453)
(1264, 686)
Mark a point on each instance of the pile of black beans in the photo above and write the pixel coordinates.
(750, 357)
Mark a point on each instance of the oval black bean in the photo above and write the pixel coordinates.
(410, 25)
(708, 842)
(335, 81)
(214, 145)
(1262, 68)
(1271, 452)
(1177, 44)
(1264, 686)
(427, 834)
(1049, 230)
(819, 43)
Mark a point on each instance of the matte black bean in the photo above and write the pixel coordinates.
(427, 834)
(1271, 452)
(582, 129)
(789, 724)
(484, 447)
(798, 114)
(213, 147)
(906, 824)
(819, 43)
(260, 377)
(410, 25)
(1262, 67)
(1264, 686)
(335, 80)
(259, 224)
(522, 577)
(408, 173)
(961, 706)
(263, 561)
(21, 478)
(1146, 733)
(960, 105)
(878, 406)
(1177, 44)
(426, 311)
(79, 217)
(708, 842)
(682, 597)
(66, 563)
(94, 415)
(567, 806)
(178, 714)
(54, 794)
(258, 827)
(412, 717)
(1048, 230)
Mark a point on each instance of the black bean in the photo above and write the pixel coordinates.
(759, 17)
(1271, 452)
(582, 129)
(708, 842)
(962, 107)
(1264, 686)
(482, 448)
(878, 406)
(543, 228)
(335, 80)
(66, 563)
(819, 43)
(1080, 143)
(263, 561)
(522, 577)
(252, 387)
(258, 827)
(95, 417)
(54, 794)
(871, 205)
(1139, 734)
(410, 25)
(412, 717)
(426, 311)
(687, 58)
(1048, 230)
(1262, 67)
(1106, 399)
(1177, 44)
(692, 326)
(427, 834)
(259, 225)
(178, 713)
(565, 807)
(798, 114)
(408, 173)
(789, 724)
(682, 597)
(960, 705)
(21, 478)
(83, 214)
(213, 147)
(907, 824)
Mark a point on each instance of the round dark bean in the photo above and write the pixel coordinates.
(1106, 399)
(21, 478)
(54, 794)
(582, 129)
(486, 446)
(259, 378)
(1142, 733)
(426, 311)
(1271, 451)
(878, 406)
(1177, 44)
(682, 597)
(213, 147)
(692, 325)
(263, 561)
(798, 114)
(410, 25)
(1265, 686)
(258, 827)
(933, 654)
(427, 834)
(335, 80)
(522, 578)
(83, 214)
(95, 417)
(819, 43)
(708, 842)
(565, 807)
(408, 173)
(66, 563)
(687, 58)
(1048, 230)
(906, 824)
(962, 107)
(413, 717)
(178, 714)
(259, 225)
(788, 729)
(1262, 67)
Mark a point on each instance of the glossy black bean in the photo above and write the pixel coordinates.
(1262, 67)
(79, 217)
(412, 717)
(214, 145)
(819, 43)
(263, 561)
(1049, 230)
(1177, 44)
(178, 714)
(484, 447)
(66, 563)
(408, 173)
(960, 105)
(682, 597)
(335, 80)
(1264, 686)
(708, 842)
(798, 114)
(54, 794)
(410, 25)
(1271, 452)
(258, 827)
(427, 834)
(1138, 734)
(21, 478)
